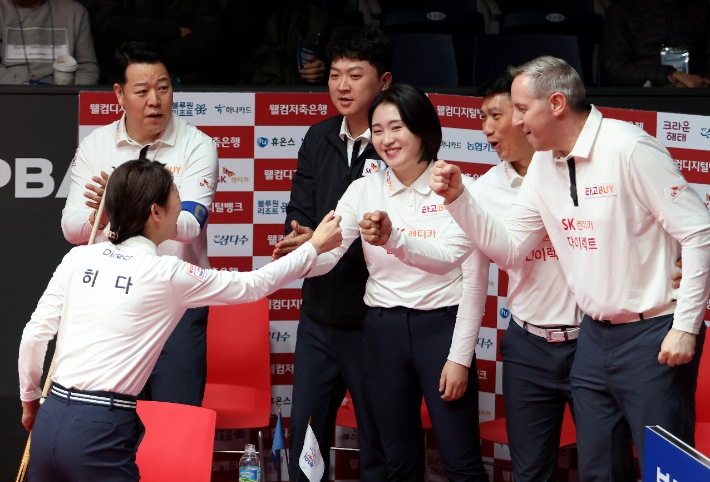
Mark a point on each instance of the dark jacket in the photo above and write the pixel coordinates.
(116, 21)
(635, 30)
(321, 178)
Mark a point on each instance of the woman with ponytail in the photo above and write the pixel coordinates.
(112, 305)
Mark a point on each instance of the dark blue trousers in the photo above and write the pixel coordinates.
(180, 374)
(329, 362)
(536, 387)
(619, 388)
(77, 442)
(405, 351)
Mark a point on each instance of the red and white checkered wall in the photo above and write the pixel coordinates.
(258, 136)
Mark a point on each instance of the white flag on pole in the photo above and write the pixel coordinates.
(311, 462)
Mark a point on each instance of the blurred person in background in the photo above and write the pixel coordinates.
(282, 42)
(187, 30)
(635, 33)
(33, 33)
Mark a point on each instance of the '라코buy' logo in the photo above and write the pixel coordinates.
(262, 141)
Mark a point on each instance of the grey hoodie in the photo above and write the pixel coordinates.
(72, 35)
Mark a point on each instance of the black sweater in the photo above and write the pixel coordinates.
(322, 177)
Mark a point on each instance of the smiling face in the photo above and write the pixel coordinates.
(353, 85)
(393, 141)
(147, 98)
(508, 141)
(533, 115)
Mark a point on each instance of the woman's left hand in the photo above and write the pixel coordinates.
(454, 380)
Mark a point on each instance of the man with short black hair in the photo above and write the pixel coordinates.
(619, 214)
(336, 152)
(539, 344)
(149, 129)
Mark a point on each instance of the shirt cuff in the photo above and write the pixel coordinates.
(464, 360)
(311, 259)
(31, 396)
(393, 241)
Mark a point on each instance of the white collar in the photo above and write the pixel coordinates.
(140, 242)
(345, 133)
(394, 185)
(586, 138)
(512, 176)
(168, 137)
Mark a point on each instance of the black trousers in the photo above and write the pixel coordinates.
(78, 442)
(619, 388)
(180, 374)
(536, 387)
(329, 362)
(405, 351)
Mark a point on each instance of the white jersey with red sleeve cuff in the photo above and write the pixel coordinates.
(114, 306)
(189, 154)
(636, 214)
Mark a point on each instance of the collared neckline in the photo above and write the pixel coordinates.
(395, 186)
(512, 176)
(140, 242)
(586, 138)
(345, 133)
(168, 137)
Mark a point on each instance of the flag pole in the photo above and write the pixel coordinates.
(298, 474)
(278, 469)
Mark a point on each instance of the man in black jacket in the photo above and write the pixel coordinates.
(635, 31)
(336, 152)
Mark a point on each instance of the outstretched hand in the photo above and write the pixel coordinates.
(293, 240)
(376, 228)
(446, 180)
(328, 234)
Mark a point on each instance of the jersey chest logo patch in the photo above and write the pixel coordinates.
(373, 166)
(197, 272)
(602, 189)
(676, 189)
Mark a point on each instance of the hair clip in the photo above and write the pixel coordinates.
(112, 235)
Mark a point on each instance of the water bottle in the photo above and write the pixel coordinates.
(249, 469)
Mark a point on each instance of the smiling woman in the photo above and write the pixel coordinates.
(417, 341)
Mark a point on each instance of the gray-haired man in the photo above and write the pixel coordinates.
(619, 214)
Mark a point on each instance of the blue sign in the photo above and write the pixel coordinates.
(668, 459)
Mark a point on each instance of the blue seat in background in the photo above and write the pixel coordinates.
(424, 60)
(494, 53)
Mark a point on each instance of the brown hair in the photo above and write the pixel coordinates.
(132, 189)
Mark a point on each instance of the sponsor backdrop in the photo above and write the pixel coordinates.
(258, 137)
